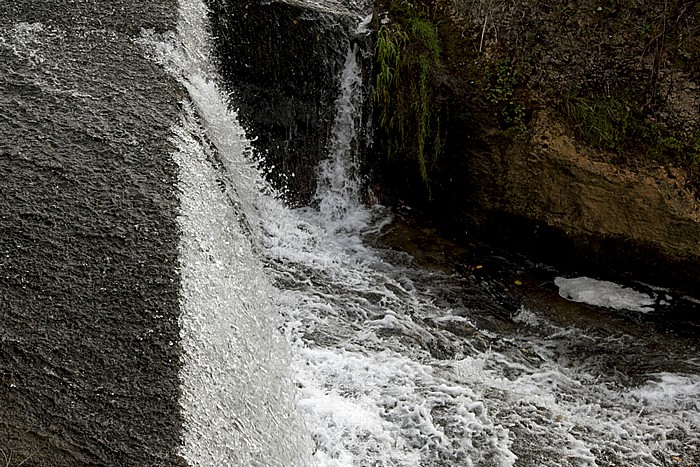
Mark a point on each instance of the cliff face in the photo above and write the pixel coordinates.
(554, 198)
(282, 60)
(573, 133)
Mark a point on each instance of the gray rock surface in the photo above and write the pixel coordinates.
(89, 348)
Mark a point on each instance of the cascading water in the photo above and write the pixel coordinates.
(338, 189)
(237, 398)
(394, 365)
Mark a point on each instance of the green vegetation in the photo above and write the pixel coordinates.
(407, 55)
(618, 125)
(605, 122)
(496, 70)
(500, 83)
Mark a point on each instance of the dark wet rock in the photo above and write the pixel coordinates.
(89, 351)
(282, 61)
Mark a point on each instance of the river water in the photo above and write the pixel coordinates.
(310, 339)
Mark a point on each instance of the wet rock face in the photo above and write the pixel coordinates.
(89, 284)
(282, 60)
(556, 200)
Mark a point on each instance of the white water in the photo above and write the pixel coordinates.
(384, 374)
(604, 293)
(238, 397)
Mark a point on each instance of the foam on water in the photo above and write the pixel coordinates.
(374, 393)
(604, 293)
(382, 376)
(369, 396)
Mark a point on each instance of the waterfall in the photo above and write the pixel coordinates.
(337, 192)
(237, 394)
(339, 209)
(305, 346)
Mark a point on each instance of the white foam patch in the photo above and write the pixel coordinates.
(526, 316)
(604, 294)
(386, 409)
(669, 390)
(573, 417)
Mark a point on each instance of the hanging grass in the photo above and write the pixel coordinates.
(407, 54)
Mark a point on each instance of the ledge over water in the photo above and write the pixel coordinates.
(89, 352)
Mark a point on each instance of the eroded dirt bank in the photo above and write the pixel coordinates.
(570, 132)
(88, 240)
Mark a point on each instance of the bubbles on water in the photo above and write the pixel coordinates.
(668, 391)
(363, 334)
(527, 317)
(386, 409)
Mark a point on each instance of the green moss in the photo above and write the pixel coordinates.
(407, 55)
(694, 155)
(619, 126)
(603, 121)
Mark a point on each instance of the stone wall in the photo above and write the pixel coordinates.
(89, 281)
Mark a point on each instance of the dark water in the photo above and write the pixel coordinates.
(88, 242)
(501, 283)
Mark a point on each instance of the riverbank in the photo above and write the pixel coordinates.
(553, 147)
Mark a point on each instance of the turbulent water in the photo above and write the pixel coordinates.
(307, 344)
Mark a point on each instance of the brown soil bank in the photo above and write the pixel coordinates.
(555, 199)
(89, 352)
(571, 131)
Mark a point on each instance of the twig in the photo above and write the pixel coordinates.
(483, 32)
